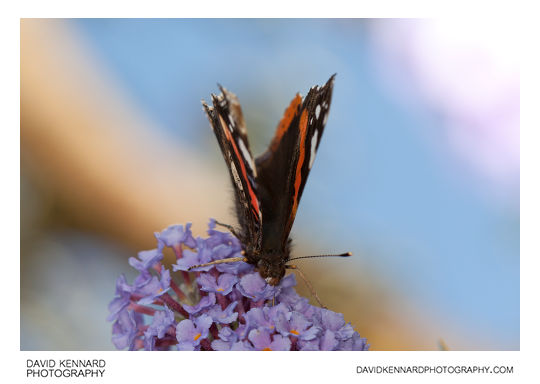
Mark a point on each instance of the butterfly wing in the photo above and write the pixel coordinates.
(283, 169)
(227, 122)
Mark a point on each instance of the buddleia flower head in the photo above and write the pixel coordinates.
(226, 306)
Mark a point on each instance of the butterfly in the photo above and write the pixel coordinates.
(268, 188)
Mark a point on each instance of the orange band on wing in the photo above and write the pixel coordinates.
(285, 122)
(301, 157)
(253, 197)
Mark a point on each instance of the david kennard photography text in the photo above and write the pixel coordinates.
(65, 368)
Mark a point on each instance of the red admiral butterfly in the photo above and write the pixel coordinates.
(268, 188)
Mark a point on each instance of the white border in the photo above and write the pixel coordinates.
(254, 367)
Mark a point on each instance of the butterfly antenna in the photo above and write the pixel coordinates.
(346, 254)
(228, 260)
(310, 287)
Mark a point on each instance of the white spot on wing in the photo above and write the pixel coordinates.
(317, 111)
(236, 177)
(314, 141)
(247, 156)
(231, 121)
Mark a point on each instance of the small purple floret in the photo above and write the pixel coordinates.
(162, 322)
(176, 235)
(224, 284)
(223, 316)
(190, 333)
(204, 303)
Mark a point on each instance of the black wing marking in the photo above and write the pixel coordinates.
(283, 169)
(227, 122)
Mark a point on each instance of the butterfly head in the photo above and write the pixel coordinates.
(271, 270)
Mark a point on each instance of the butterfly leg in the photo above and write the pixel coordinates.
(310, 287)
(229, 227)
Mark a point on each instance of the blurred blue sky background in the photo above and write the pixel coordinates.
(392, 182)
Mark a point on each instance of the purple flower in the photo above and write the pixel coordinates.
(151, 287)
(262, 341)
(190, 333)
(228, 341)
(162, 322)
(359, 343)
(255, 288)
(355, 343)
(223, 316)
(265, 317)
(205, 302)
(217, 238)
(175, 236)
(224, 307)
(227, 334)
(297, 326)
(125, 329)
(328, 341)
(336, 323)
(146, 259)
(189, 259)
(227, 337)
(238, 268)
(223, 285)
(121, 300)
(221, 246)
(287, 293)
